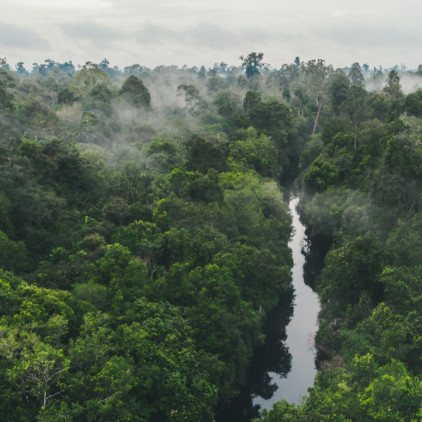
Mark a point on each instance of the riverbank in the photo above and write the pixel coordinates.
(284, 367)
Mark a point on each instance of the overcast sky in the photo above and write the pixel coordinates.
(202, 32)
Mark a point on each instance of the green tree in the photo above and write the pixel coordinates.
(354, 107)
(7, 82)
(392, 86)
(413, 103)
(258, 151)
(40, 373)
(355, 75)
(144, 240)
(87, 78)
(337, 90)
(318, 77)
(193, 100)
(67, 96)
(225, 103)
(203, 155)
(253, 63)
(136, 92)
(13, 255)
(252, 99)
(320, 175)
(393, 89)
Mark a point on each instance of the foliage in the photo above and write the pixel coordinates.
(143, 243)
(361, 200)
(147, 266)
(252, 64)
(136, 92)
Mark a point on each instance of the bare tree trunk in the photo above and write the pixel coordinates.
(317, 117)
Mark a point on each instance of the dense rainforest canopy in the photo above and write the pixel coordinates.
(144, 227)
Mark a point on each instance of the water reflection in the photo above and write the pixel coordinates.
(314, 258)
(301, 329)
(274, 375)
(273, 356)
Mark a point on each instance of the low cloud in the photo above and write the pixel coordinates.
(213, 36)
(153, 34)
(204, 35)
(92, 31)
(372, 34)
(17, 37)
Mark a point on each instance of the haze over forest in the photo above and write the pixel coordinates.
(148, 154)
(144, 229)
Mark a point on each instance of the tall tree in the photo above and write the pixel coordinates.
(252, 63)
(136, 92)
(392, 85)
(356, 75)
(354, 107)
(337, 89)
(318, 76)
(394, 91)
(89, 76)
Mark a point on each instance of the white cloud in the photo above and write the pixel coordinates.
(154, 34)
(13, 36)
(358, 13)
(92, 31)
(207, 31)
(63, 5)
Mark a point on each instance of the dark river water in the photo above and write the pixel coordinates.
(284, 367)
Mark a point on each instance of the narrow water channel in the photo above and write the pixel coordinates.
(300, 331)
(284, 367)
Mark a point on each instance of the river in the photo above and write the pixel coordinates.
(301, 329)
(284, 367)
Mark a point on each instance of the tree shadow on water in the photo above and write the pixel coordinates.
(272, 356)
(314, 252)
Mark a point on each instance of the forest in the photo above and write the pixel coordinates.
(144, 228)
